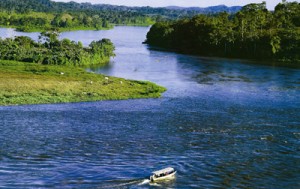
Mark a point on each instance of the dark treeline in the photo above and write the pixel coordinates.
(37, 21)
(45, 14)
(31, 15)
(52, 51)
(25, 6)
(252, 33)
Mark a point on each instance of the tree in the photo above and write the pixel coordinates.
(254, 32)
(275, 43)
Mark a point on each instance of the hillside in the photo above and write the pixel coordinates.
(207, 10)
(166, 12)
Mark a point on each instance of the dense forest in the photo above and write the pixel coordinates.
(36, 15)
(50, 50)
(41, 21)
(252, 33)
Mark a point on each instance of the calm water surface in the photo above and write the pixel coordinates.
(222, 124)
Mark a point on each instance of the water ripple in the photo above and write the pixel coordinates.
(240, 131)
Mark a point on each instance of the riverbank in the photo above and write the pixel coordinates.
(27, 83)
(60, 29)
(274, 63)
(235, 36)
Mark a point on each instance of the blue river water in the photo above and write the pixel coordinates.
(222, 124)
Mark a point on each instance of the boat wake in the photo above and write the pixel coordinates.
(163, 175)
(121, 184)
(127, 183)
(146, 181)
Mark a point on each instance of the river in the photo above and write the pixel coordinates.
(222, 124)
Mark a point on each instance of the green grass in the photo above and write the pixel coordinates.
(27, 83)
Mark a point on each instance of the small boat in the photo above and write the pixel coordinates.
(164, 174)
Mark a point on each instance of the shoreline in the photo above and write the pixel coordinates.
(37, 29)
(29, 84)
(262, 62)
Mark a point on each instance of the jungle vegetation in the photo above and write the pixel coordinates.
(52, 51)
(50, 71)
(252, 33)
(42, 15)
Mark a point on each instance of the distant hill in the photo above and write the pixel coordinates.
(207, 10)
(171, 12)
(39, 15)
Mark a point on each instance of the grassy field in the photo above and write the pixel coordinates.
(27, 83)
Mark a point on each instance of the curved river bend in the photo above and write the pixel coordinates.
(222, 124)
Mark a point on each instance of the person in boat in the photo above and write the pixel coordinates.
(163, 174)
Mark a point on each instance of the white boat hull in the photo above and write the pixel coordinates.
(167, 177)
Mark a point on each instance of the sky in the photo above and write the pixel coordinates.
(184, 3)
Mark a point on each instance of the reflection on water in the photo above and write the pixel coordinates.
(221, 124)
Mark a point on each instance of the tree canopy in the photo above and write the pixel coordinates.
(51, 50)
(45, 14)
(253, 33)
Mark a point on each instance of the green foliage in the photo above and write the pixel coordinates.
(252, 33)
(50, 50)
(39, 21)
(107, 13)
(41, 15)
(36, 15)
(275, 43)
